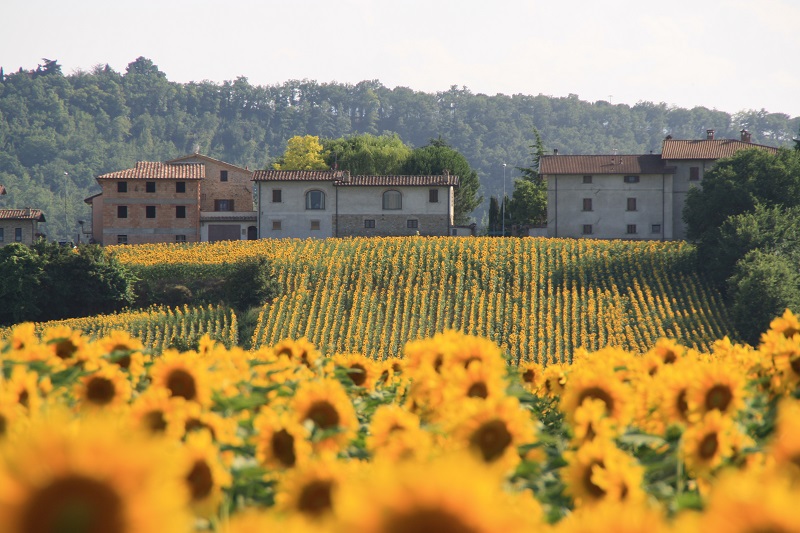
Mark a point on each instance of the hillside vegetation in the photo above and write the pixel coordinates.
(539, 299)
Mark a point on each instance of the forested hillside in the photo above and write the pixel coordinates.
(88, 123)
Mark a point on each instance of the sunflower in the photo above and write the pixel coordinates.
(478, 380)
(717, 386)
(184, 375)
(158, 413)
(281, 442)
(589, 382)
(554, 379)
(395, 434)
(785, 444)
(203, 474)
(324, 405)
(667, 351)
(23, 386)
(600, 472)
(124, 351)
(673, 384)
(391, 371)
(297, 351)
(492, 430)
(11, 412)
(105, 388)
(785, 356)
(426, 354)
(310, 489)
(259, 521)
(591, 421)
(787, 325)
(532, 376)
(707, 443)
(743, 502)
(69, 347)
(467, 349)
(453, 493)
(91, 475)
(361, 370)
(620, 517)
(198, 418)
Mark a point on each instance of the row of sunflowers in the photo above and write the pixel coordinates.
(102, 436)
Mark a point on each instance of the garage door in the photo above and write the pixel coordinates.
(220, 232)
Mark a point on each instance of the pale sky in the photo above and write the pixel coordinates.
(730, 55)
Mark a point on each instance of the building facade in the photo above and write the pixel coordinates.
(320, 204)
(20, 225)
(630, 196)
(189, 199)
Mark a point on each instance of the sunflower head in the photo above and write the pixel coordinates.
(204, 476)
(324, 407)
(281, 441)
(361, 370)
(602, 384)
(105, 388)
(707, 443)
(599, 472)
(184, 375)
(310, 489)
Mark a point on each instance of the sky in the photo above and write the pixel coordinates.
(729, 55)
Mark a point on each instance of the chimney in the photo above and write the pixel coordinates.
(745, 136)
(709, 135)
(555, 151)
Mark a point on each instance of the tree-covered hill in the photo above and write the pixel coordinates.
(89, 123)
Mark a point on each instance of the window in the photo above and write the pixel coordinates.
(180, 211)
(315, 200)
(631, 229)
(276, 224)
(276, 196)
(223, 175)
(392, 200)
(122, 211)
(122, 186)
(122, 239)
(18, 234)
(314, 225)
(180, 186)
(433, 196)
(412, 223)
(631, 204)
(2, 234)
(587, 204)
(150, 211)
(631, 179)
(587, 179)
(180, 238)
(223, 205)
(587, 229)
(369, 222)
(655, 228)
(694, 173)
(150, 186)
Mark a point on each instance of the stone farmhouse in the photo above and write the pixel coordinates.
(189, 199)
(321, 204)
(19, 225)
(630, 196)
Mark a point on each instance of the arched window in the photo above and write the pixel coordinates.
(392, 200)
(315, 200)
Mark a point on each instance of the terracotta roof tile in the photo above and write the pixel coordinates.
(149, 170)
(22, 214)
(295, 175)
(706, 148)
(604, 164)
(401, 181)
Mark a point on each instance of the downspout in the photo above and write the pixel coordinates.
(449, 216)
(258, 215)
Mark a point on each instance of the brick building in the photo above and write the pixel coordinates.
(189, 199)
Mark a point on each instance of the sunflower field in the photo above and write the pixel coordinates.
(157, 328)
(538, 299)
(102, 435)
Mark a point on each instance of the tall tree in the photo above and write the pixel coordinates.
(368, 154)
(528, 204)
(434, 159)
(302, 153)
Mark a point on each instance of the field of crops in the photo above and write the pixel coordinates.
(102, 436)
(539, 299)
(156, 328)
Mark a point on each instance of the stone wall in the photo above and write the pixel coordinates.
(392, 225)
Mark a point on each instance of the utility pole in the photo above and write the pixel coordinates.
(66, 224)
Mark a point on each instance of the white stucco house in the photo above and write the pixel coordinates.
(320, 204)
(630, 196)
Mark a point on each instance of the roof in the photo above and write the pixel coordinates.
(150, 170)
(181, 160)
(22, 214)
(401, 181)
(706, 148)
(343, 178)
(91, 198)
(296, 175)
(604, 164)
